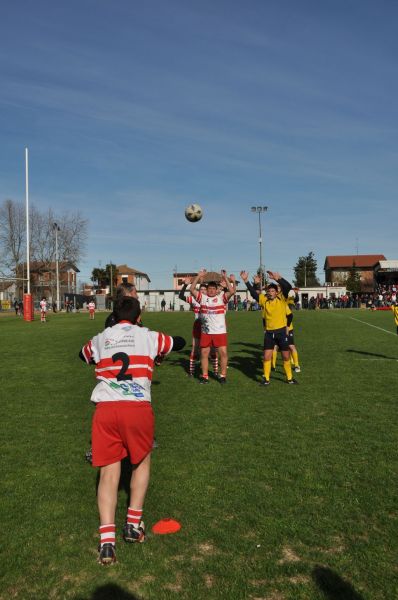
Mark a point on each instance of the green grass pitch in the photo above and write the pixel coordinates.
(285, 492)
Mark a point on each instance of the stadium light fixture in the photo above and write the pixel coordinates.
(56, 229)
(260, 210)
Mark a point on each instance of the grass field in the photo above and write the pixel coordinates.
(285, 492)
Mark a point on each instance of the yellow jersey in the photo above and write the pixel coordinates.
(273, 311)
(289, 303)
(395, 311)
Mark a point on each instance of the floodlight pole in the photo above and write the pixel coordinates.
(259, 210)
(27, 219)
(56, 229)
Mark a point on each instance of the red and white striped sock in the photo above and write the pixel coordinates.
(192, 361)
(107, 534)
(214, 360)
(134, 516)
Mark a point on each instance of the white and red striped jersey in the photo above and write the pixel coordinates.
(195, 306)
(212, 310)
(91, 306)
(43, 305)
(124, 357)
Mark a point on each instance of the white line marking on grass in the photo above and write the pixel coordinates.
(370, 325)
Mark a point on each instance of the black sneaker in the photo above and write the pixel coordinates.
(292, 382)
(203, 380)
(107, 554)
(133, 534)
(273, 368)
(89, 456)
(222, 380)
(264, 381)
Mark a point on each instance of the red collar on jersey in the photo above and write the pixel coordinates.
(125, 321)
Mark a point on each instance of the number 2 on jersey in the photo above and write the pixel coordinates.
(123, 357)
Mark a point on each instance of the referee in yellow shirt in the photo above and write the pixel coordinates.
(273, 305)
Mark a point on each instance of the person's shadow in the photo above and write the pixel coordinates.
(110, 591)
(371, 354)
(333, 586)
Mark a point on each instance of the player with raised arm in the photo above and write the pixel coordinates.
(123, 422)
(197, 328)
(292, 347)
(273, 306)
(43, 309)
(213, 306)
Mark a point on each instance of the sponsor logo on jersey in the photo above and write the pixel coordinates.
(128, 388)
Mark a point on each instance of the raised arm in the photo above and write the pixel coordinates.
(199, 277)
(285, 285)
(230, 284)
(253, 292)
(182, 295)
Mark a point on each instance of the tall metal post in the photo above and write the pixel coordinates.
(27, 219)
(56, 229)
(259, 210)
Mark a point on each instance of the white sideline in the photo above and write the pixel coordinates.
(375, 326)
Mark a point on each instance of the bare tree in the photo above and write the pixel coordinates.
(72, 235)
(12, 235)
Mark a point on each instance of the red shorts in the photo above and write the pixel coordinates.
(121, 429)
(197, 329)
(216, 340)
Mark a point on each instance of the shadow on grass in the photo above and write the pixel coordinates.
(371, 354)
(250, 365)
(110, 591)
(333, 586)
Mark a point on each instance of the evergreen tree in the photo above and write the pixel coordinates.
(305, 271)
(98, 276)
(111, 272)
(353, 282)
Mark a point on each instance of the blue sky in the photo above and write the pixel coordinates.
(133, 110)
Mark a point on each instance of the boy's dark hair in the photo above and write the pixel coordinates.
(212, 284)
(272, 286)
(127, 309)
(124, 289)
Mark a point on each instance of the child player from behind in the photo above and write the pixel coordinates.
(43, 309)
(123, 422)
(91, 309)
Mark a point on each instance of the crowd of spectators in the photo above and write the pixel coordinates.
(384, 297)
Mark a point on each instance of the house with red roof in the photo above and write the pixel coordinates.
(337, 269)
